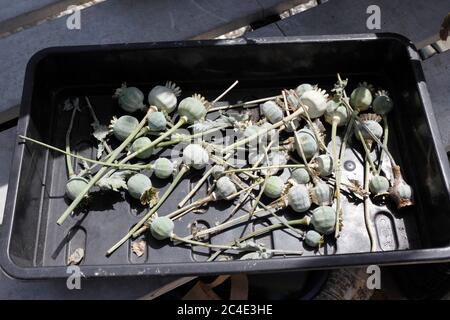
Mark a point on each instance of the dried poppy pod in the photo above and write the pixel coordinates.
(315, 101)
(123, 126)
(75, 186)
(321, 194)
(401, 192)
(300, 176)
(164, 97)
(271, 111)
(313, 239)
(308, 142)
(193, 108)
(382, 104)
(336, 112)
(361, 97)
(224, 188)
(141, 143)
(195, 156)
(324, 165)
(301, 89)
(163, 168)
(140, 187)
(130, 99)
(298, 198)
(324, 219)
(157, 121)
(371, 121)
(217, 171)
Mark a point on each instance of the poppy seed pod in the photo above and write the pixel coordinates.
(163, 168)
(164, 97)
(336, 111)
(141, 143)
(130, 99)
(301, 89)
(321, 194)
(193, 108)
(195, 156)
(382, 104)
(298, 198)
(124, 126)
(313, 239)
(372, 126)
(157, 121)
(137, 185)
(217, 171)
(315, 101)
(162, 228)
(300, 176)
(224, 188)
(361, 97)
(401, 192)
(272, 111)
(75, 186)
(378, 185)
(324, 165)
(274, 187)
(324, 219)
(309, 143)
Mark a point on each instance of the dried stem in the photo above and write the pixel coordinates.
(70, 169)
(248, 104)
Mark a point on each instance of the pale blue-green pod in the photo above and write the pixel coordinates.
(162, 228)
(373, 126)
(336, 111)
(308, 142)
(195, 156)
(301, 89)
(313, 239)
(316, 101)
(321, 194)
(378, 185)
(138, 184)
(382, 104)
(298, 198)
(217, 171)
(141, 143)
(272, 111)
(124, 126)
(192, 108)
(157, 121)
(130, 99)
(274, 187)
(224, 188)
(324, 219)
(324, 165)
(163, 168)
(163, 98)
(361, 98)
(401, 193)
(75, 187)
(300, 176)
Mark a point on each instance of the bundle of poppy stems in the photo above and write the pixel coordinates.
(290, 134)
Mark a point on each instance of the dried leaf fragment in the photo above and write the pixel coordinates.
(139, 247)
(76, 257)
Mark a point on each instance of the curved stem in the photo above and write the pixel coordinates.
(385, 142)
(102, 163)
(149, 214)
(367, 151)
(367, 211)
(225, 92)
(70, 170)
(102, 171)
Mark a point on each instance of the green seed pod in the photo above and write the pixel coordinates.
(324, 165)
(401, 192)
(139, 144)
(298, 198)
(130, 99)
(164, 98)
(382, 104)
(75, 186)
(301, 89)
(274, 187)
(217, 171)
(309, 143)
(224, 188)
(300, 176)
(272, 111)
(275, 159)
(378, 185)
(123, 127)
(162, 228)
(321, 194)
(193, 108)
(195, 156)
(138, 184)
(336, 111)
(324, 219)
(157, 121)
(316, 101)
(361, 98)
(373, 126)
(163, 168)
(313, 239)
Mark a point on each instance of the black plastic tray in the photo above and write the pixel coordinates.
(33, 246)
